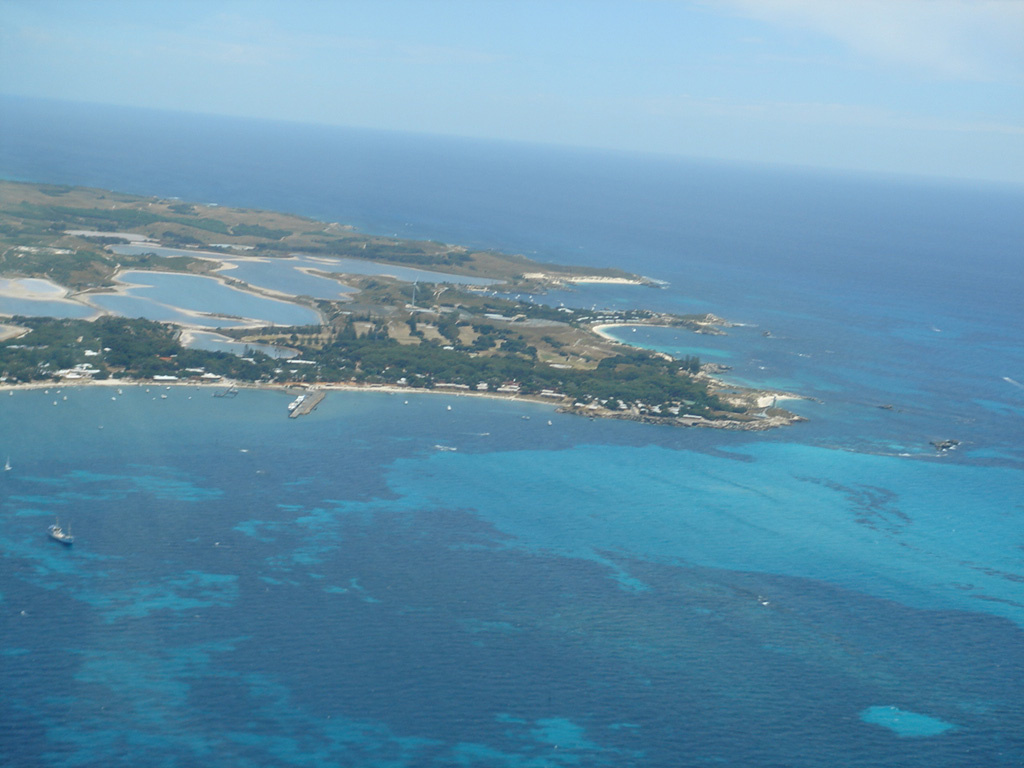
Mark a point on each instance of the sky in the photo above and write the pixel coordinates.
(924, 87)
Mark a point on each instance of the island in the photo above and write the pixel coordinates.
(409, 314)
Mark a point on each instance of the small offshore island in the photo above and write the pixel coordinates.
(445, 329)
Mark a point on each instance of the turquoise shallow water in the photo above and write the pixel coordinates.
(888, 526)
(905, 723)
(345, 589)
(625, 592)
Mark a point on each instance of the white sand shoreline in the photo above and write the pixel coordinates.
(582, 279)
(601, 330)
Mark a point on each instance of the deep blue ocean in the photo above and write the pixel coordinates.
(249, 590)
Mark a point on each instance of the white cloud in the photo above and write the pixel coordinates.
(972, 39)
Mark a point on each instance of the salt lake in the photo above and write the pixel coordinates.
(197, 300)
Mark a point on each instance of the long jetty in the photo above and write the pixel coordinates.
(311, 401)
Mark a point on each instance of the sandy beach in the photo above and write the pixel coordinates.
(602, 330)
(582, 279)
